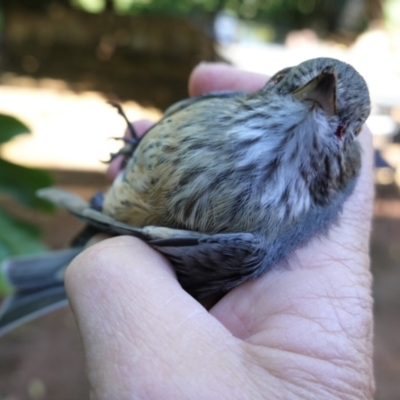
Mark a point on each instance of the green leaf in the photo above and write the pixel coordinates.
(22, 183)
(10, 127)
(17, 238)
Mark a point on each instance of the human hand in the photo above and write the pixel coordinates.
(302, 331)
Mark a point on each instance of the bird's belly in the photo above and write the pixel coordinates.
(186, 179)
(141, 193)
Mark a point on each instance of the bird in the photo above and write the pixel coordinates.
(226, 185)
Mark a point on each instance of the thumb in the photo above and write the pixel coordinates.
(139, 328)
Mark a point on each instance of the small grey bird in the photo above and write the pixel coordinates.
(226, 185)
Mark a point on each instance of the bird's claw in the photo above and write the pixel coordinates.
(122, 113)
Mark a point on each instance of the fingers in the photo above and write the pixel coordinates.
(135, 319)
(107, 284)
(211, 77)
(141, 127)
(113, 288)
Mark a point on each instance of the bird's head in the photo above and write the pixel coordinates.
(331, 87)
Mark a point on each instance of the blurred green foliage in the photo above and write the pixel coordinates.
(324, 17)
(18, 237)
(320, 15)
(179, 7)
(288, 11)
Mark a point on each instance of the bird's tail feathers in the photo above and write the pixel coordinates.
(38, 283)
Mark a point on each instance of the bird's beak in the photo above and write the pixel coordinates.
(321, 90)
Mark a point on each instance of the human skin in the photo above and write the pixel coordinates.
(301, 331)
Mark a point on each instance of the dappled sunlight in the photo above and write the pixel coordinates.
(69, 130)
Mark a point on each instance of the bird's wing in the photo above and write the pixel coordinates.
(180, 105)
(210, 264)
(206, 264)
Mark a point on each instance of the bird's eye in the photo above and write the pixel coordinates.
(339, 131)
(279, 76)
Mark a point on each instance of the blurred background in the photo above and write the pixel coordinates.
(60, 61)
